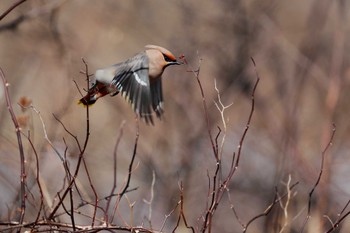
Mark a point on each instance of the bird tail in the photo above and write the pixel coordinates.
(88, 99)
(95, 92)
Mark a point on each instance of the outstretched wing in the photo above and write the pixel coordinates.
(157, 97)
(132, 81)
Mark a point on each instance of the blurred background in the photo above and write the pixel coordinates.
(302, 57)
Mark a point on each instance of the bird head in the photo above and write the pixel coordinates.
(159, 58)
(167, 56)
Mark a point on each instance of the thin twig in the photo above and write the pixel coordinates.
(329, 144)
(82, 150)
(149, 203)
(276, 200)
(93, 190)
(196, 74)
(45, 133)
(249, 118)
(340, 219)
(121, 130)
(37, 178)
(221, 108)
(168, 215)
(285, 206)
(218, 192)
(130, 169)
(20, 147)
(16, 4)
(182, 212)
(132, 160)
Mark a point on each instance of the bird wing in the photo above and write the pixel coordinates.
(132, 81)
(157, 97)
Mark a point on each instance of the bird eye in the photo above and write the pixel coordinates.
(167, 59)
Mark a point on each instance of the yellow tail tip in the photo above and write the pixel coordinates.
(80, 102)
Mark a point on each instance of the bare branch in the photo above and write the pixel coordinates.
(37, 178)
(182, 212)
(340, 219)
(196, 74)
(16, 4)
(276, 200)
(82, 149)
(329, 144)
(249, 118)
(121, 130)
(20, 147)
(130, 170)
(149, 203)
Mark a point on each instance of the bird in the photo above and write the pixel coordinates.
(138, 79)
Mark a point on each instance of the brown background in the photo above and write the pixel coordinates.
(302, 56)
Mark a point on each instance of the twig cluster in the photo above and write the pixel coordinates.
(49, 212)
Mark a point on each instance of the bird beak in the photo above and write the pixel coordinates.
(170, 63)
(176, 63)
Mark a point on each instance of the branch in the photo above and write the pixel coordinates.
(130, 170)
(249, 118)
(276, 200)
(20, 146)
(132, 160)
(329, 144)
(16, 4)
(37, 178)
(182, 212)
(81, 149)
(340, 218)
(121, 131)
(196, 74)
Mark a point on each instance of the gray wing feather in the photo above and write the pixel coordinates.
(132, 81)
(157, 97)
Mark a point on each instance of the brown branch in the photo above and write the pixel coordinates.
(329, 144)
(340, 219)
(20, 147)
(37, 177)
(249, 118)
(218, 191)
(64, 227)
(93, 190)
(16, 4)
(182, 212)
(276, 200)
(47, 9)
(132, 160)
(121, 130)
(196, 74)
(81, 149)
(130, 170)
(168, 215)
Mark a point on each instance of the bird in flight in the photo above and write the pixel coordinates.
(138, 79)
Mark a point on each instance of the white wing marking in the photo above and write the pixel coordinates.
(143, 83)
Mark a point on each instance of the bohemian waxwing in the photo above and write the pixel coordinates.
(139, 79)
